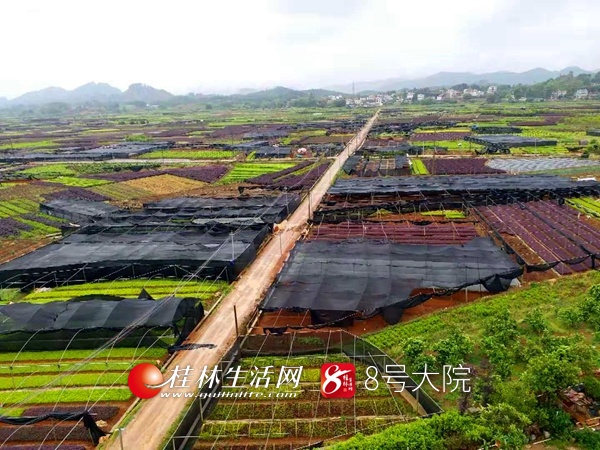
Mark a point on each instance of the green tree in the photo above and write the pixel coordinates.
(504, 423)
(454, 349)
(547, 374)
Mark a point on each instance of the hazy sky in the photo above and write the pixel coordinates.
(204, 46)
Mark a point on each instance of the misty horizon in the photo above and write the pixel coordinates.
(222, 48)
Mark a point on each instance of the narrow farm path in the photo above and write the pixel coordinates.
(154, 419)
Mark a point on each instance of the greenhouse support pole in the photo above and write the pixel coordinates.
(232, 249)
(121, 437)
(236, 321)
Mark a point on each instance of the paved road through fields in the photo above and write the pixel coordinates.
(153, 420)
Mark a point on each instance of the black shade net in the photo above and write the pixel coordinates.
(93, 254)
(96, 314)
(458, 184)
(369, 275)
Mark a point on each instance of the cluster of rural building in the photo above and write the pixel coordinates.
(374, 100)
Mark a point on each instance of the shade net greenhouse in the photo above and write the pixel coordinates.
(123, 150)
(77, 210)
(123, 252)
(266, 209)
(53, 325)
(442, 184)
(510, 140)
(333, 280)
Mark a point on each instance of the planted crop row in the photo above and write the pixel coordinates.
(418, 168)
(76, 193)
(294, 361)
(303, 180)
(190, 154)
(120, 191)
(79, 182)
(303, 409)
(73, 380)
(323, 428)
(164, 184)
(311, 391)
(78, 355)
(157, 288)
(448, 213)
(61, 395)
(587, 205)
(12, 227)
(11, 208)
(94, 366)
(267, 179)
(38, 227)
(245, 171)
(459, 166)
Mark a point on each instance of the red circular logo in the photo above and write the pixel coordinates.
(141, 377)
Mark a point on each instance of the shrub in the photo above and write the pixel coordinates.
(571, 316)
(453, 349)
(587, 438)
(592, 387)
(536, 320)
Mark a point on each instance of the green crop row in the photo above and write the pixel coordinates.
(120, 191)
(157, 288)
(58, 355)
(50, 171)
(79, 182)
(449, 214)
(190, 154)
(55, 367)
(244, 171)
(78, 395)
(38, 227)
(587, 205)
(11, 208)
(71, 380)
(418, 167)
(28, 145)
(12, 412)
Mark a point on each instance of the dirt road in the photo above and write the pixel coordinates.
(153, 420)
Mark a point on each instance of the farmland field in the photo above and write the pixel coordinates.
(555, 233)
(157, 288)
(190, 154)
(244, 171)
(307, 418)
(163, 184)
(418, 167)
(544, 232)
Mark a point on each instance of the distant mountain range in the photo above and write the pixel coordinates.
(102, 92)
(447, 79)
(92, 92)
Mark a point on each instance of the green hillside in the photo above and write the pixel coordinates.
(523, 348)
